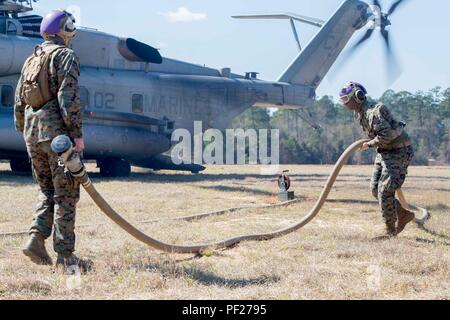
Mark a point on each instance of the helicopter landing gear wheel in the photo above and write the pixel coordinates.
(20, 166)
(114, 168)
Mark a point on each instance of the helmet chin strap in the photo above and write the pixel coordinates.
(355, 105)
(62, 38)
(66, 37)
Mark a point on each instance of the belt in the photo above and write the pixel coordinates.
(37, 108)
(395, 146)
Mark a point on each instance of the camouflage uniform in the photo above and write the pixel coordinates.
(394, 156)
(40, 126)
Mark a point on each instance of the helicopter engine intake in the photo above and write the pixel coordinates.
(136, 51)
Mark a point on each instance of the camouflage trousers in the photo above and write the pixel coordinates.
(57, 199)
(389, 174)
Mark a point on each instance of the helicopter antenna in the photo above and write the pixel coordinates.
(292, 17)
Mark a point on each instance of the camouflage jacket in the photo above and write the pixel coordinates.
(378, 122)
(59, 116)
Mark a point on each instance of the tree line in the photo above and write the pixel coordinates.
(427, 115)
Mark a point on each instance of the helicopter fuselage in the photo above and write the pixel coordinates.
(133, 99)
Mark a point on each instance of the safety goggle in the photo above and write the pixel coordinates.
(346, 94)
(345, 99)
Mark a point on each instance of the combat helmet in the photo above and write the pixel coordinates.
(58, 23)
(353, 90)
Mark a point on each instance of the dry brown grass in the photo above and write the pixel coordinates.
(331, 258)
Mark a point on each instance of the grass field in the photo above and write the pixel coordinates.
(331, 258)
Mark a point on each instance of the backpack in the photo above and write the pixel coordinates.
(35, 77)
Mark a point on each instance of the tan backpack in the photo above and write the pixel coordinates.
(35, 77)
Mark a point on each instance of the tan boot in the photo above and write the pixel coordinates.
(390, 233)
(35, 250)
(71, 264)
(404, 217)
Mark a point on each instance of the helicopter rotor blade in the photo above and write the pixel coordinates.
(377, 3)
(394, 7)
(348, 53)
(385, 35)
(345, 57)
(393, 67)
(366, 37)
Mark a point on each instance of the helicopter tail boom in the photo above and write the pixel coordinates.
(315, 60)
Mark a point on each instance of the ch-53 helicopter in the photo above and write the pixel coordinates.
(133, 98)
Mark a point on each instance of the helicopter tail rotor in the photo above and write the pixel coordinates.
(382, 21)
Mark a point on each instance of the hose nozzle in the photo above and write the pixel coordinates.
(63, 147)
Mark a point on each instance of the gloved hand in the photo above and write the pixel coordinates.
(79, 145)
(365, 147)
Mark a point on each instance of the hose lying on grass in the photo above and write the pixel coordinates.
(79, 173)
(190, 218)
(75, 166)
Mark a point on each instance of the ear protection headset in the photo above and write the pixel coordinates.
(69, 25)
(353, 90)
(360, 96)
(68, 28)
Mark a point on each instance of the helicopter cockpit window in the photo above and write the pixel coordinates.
(2, 24)
(7, 99)
(84, 98)
(137, 103)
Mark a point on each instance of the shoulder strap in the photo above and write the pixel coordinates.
(54, 48)
(43, 75)
(38, 61)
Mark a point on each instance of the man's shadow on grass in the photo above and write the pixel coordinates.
(172, 269)
(11, 179)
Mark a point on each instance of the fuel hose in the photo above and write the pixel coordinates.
(72, 162)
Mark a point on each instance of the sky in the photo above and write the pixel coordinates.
(203, 32)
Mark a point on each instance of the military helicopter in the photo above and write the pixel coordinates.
(133, 98)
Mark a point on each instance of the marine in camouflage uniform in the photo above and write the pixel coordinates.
(394, 154)
(61, 115)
